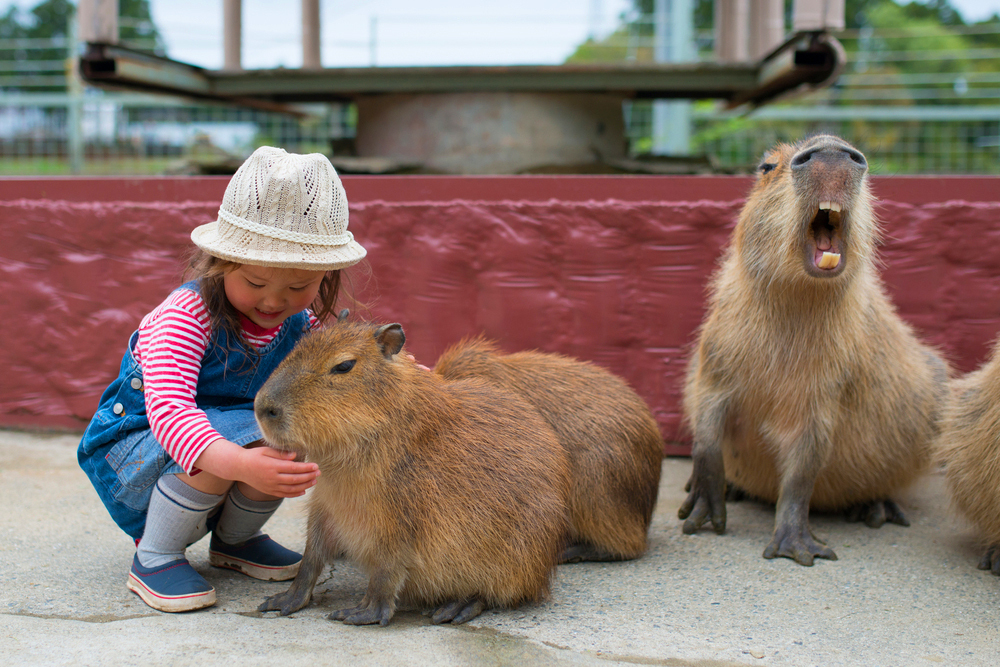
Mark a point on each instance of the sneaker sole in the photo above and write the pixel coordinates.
(170, 603)
(255, 570)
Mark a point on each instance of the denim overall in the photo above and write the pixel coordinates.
(119, 452)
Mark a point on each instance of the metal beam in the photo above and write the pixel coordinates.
(667, 80)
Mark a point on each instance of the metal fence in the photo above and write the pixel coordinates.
(115, 134)
(109, 134)
(896, 140)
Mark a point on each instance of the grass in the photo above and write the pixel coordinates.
(44, 166)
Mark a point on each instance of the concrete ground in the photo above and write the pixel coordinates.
(897, 596)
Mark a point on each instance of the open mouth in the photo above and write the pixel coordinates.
(826, 238)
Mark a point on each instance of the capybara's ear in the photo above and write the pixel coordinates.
(343, 315)
(390, 339)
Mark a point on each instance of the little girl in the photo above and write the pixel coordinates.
(174, 450)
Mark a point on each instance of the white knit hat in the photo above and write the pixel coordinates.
(283, 210)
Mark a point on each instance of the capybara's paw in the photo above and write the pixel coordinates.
(284, 603)
(991, 560)
(875, 514)
(458, 612)
(365, 614)
(705, 502)
(798, 544)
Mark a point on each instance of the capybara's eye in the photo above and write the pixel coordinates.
(766, 167)
(343, 367)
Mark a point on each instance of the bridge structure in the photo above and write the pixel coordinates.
(491, 119)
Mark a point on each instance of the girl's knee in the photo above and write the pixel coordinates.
(207, 483)
(253, 494)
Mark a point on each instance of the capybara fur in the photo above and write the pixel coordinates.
(611, 439)
(806, 389)
(448, 494)
(970, 451)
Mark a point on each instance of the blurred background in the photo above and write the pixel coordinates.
(920, 93)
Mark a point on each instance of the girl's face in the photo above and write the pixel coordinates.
(267, 296)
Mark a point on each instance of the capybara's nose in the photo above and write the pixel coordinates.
(831, 154)
(267, 411)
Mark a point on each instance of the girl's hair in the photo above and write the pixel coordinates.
(210, 271)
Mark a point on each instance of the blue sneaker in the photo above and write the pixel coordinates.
(171, 587)
(259, 557)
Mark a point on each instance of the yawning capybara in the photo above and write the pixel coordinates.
(806, 388)
(970, 451)
(611, 439)
(448, 494)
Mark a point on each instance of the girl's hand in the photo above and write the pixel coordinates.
(414, 360)
(276, 473)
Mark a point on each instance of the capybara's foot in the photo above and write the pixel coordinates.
(458, 612)
(876, 513)
(579, 552)
(991, 560)
(734, 494)
(706, 501)
(366, 613)
(797, 543)
(285, 603)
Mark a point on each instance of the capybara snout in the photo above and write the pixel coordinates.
(358, 371)
(809, 214)
(828, 150)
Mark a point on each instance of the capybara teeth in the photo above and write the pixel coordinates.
(829, 260)
(829, 206)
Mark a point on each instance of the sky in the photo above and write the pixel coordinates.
(404, 32)
(391, 32)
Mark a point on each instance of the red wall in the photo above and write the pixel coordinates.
(607, 268)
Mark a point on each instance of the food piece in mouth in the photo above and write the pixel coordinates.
(826, 230)
(829, 260)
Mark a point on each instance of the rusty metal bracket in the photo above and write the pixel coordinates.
(112, 66)
(805, 62)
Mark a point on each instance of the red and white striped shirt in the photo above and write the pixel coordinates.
(172, 342)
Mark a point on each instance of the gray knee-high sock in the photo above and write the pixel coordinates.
(177, 513)
(242, 518)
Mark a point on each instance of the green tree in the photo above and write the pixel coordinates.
(899, 54)
(49, 21)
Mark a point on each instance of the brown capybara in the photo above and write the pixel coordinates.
(611, 439)
(970, 451)
(447, 494)
(806, 389)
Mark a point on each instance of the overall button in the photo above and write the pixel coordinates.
(136, 383)
(118, 408)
